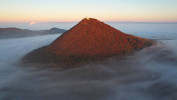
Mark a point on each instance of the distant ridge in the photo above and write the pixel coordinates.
(17, 33)
(89, 39)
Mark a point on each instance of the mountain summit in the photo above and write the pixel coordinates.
(91, 38)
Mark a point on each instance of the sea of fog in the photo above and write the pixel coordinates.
(149, 74)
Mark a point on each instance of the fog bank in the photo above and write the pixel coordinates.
(149, 74)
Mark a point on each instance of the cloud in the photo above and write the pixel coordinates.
(32, 23)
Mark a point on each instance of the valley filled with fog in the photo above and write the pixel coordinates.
(148, 74)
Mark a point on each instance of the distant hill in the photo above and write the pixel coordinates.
(89, 39)
(55, 30)
(17, 33)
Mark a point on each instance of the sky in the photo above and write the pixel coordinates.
(74, 10)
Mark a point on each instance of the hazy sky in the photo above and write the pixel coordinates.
(75, 10)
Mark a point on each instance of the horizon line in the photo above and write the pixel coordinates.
(101, 21)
